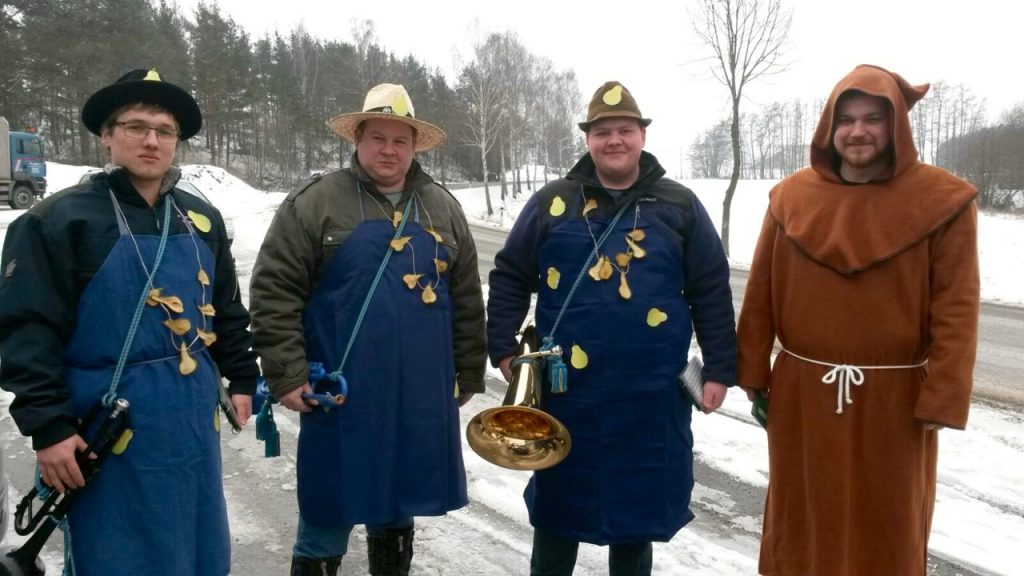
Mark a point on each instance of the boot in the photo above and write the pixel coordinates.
(391, 553)
(315, 566)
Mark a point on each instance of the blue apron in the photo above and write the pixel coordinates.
(157, 509)
(393, 449)
(629, 475)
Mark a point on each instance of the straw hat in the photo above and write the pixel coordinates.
(141, 86)
(612, 100)
(388, 102)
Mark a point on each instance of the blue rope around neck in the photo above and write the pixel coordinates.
(373, 289)
(111, 395)
(550, 338)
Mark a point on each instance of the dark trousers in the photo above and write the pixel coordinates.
(556, 556)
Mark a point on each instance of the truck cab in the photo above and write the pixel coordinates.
(22, 167)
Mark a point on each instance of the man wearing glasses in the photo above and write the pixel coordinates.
(124, 288)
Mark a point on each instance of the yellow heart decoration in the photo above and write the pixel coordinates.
(613, 96)
(579, 358)
(429, 297)
(122, 442)
(207, 337)
(187, 365)
(201, 222)
(638, 252)
(399, 106)
(656, 317)
(553, 277)
(624, 290)
(178, 326)
(172, 303)
(398, 244)
(557, 206)
(411, 280)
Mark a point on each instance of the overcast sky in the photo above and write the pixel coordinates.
(650, 46)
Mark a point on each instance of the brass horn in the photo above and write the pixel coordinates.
(517, 435)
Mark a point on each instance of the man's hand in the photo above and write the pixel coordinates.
(243, 407)
(57, 464)
(714, 395)
(505, 365)
(294, 400)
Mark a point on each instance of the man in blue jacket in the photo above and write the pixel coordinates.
(75, 335)
(626, 265)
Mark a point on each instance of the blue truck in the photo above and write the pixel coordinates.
(22, 167)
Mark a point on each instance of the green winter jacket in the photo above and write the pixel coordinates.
(310, 225)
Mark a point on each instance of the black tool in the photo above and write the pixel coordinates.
(24, 561)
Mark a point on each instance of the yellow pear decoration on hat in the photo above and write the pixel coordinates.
(399, 106)
(579, 358)
(553, 277)
(152, 75)
(656, 317)
(613, 96)
(201, 222)
(557, 206)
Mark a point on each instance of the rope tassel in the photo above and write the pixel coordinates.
(266, 428)
(557, 373)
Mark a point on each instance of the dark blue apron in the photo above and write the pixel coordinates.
(393, 449)
(629, 475)
(157, 509)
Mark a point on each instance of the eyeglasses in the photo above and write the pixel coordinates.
(139, 131)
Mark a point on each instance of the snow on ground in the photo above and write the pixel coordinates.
(980, 502)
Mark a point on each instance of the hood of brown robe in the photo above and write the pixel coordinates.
(852, 227)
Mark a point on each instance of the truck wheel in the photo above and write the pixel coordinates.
(21, 197)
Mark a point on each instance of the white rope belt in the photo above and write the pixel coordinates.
(843, 375)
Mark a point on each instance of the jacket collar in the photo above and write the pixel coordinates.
(586, 173)
(121, 184)
(414, 178)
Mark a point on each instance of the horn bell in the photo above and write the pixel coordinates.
(518, 435)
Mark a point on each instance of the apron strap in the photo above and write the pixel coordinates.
(111, 395)
(549, 339)
(336, 375)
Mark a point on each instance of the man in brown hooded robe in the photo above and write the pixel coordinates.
(866, 272)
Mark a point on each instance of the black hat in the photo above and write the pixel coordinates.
(143, 87)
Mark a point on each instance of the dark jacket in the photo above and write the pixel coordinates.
(49, 256)
(310, 225)
(706, 270)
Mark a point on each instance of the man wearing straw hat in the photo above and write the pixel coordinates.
(124, 288)
(371, 272)
(626, 265)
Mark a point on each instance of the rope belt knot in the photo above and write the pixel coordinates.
(845, 375)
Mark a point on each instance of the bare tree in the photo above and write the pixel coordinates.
(747, 38)
(480, 88)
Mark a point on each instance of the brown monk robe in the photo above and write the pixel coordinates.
(872, 290)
